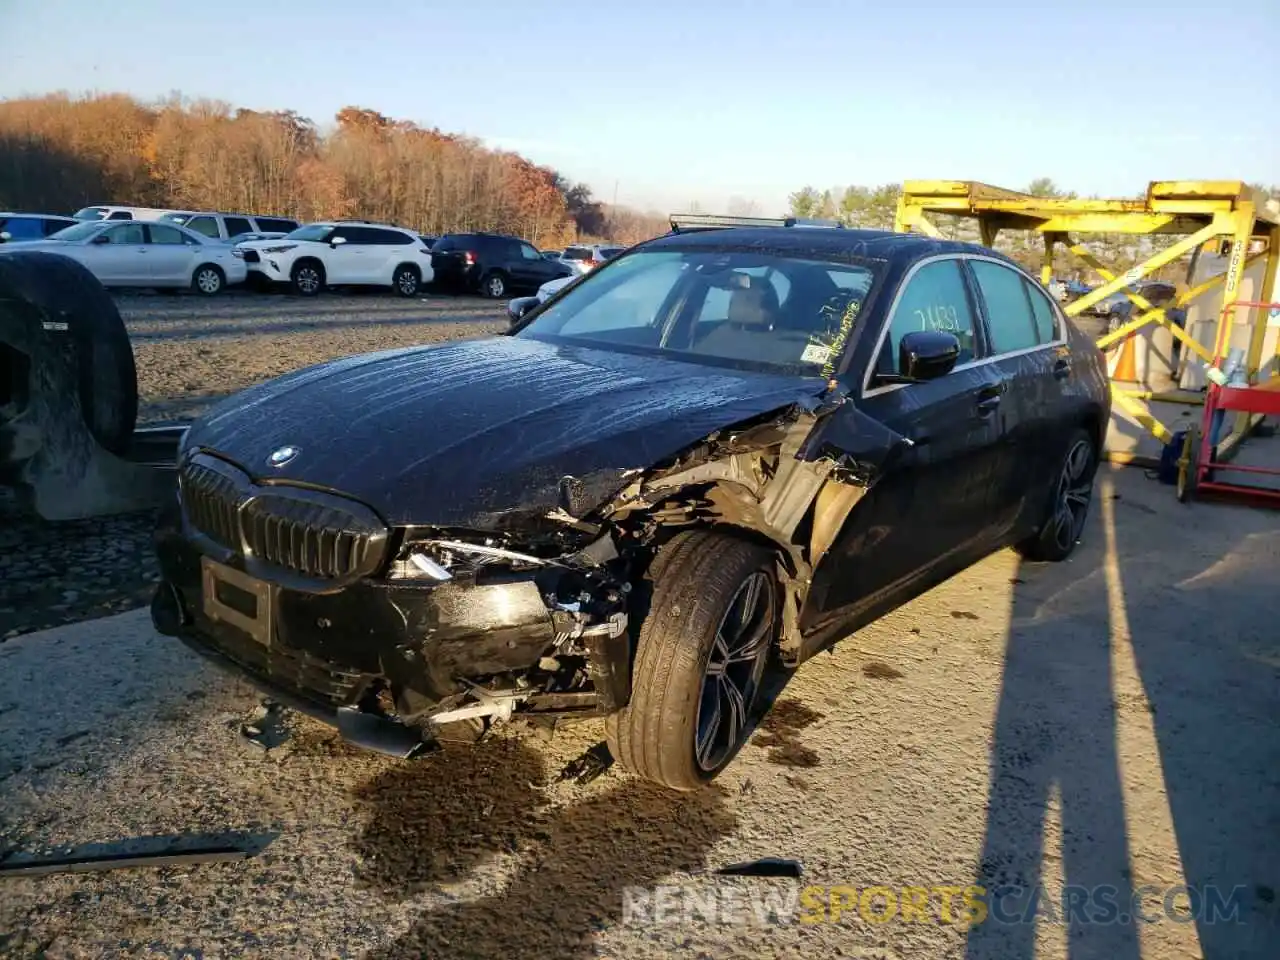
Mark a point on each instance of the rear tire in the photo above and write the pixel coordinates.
(63, 291)
(407, 280)
(494, 286)
(703, 649)
(307, 278)
(208, 280)
(1069, 501)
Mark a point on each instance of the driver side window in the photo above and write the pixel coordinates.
(935, 298)
(128, 233)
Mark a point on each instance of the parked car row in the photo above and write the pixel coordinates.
(147, 254)
(209, 250)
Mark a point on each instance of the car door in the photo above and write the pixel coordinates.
(170, 256)
(930, 504)
(118, 255)
(1029, 353)
(389, 248)
(535, 268)
(348, 260)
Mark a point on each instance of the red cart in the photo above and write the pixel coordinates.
(1197, 466)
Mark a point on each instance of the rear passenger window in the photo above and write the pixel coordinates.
(1009, 318)
(203, 225)
(22, 228)
(237, 225)
(392, 238)
(166, 235)
(1042, 312)
(276, 225)
(934, 299)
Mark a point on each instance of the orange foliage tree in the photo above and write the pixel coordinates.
(59, 153)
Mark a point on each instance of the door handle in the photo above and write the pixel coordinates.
(988, 404)
(1061, 370)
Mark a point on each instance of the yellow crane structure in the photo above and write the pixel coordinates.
(1202, 214)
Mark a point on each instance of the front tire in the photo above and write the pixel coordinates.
(307, 278)
(702, 652)
(208, 280)
(406, 280)
(1071, 495)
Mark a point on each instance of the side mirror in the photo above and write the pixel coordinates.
(519, 308)
(927, 354)
(5, 236)
(336, 241)
(102, 238)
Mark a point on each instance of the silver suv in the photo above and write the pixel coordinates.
(230, 226)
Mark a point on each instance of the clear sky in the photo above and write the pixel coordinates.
(674, 101)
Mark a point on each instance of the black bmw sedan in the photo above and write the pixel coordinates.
(722, 449)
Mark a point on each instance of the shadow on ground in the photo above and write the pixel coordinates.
(1208, 695)
(437, 820)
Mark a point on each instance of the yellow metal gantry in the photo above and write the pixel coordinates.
(1201, 212)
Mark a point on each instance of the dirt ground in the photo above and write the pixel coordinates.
(1106, 721)
(190, 352)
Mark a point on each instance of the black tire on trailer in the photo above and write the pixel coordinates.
(703, 588)
(62, 291)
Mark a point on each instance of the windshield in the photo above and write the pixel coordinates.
(176, 217)
(723, 307)
(90, 213)
(81, 231)
(312, 231)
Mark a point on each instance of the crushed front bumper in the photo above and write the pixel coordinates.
(378, 649)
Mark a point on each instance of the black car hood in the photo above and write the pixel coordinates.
(465, 434)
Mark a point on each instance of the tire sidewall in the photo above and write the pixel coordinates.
(208, 269)
(486, 287)
(296, 273)
(398, 277)
(674, 645)
(1045, 546)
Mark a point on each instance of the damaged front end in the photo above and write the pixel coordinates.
(535, 619)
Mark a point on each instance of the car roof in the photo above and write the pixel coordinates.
(824, 242)
(355, 223)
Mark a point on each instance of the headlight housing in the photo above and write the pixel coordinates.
(282, 249)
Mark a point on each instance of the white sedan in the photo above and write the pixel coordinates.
(145, 254)
(554, 286)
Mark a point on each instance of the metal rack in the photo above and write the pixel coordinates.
(1200, 461)
(1200, 213)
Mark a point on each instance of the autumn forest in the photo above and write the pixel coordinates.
(59, 153)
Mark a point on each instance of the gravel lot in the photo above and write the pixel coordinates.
(1110, 720)
(189, 353)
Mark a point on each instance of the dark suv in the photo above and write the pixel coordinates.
(491, 264)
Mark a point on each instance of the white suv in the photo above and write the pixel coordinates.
(584, 259)
(342, 252)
